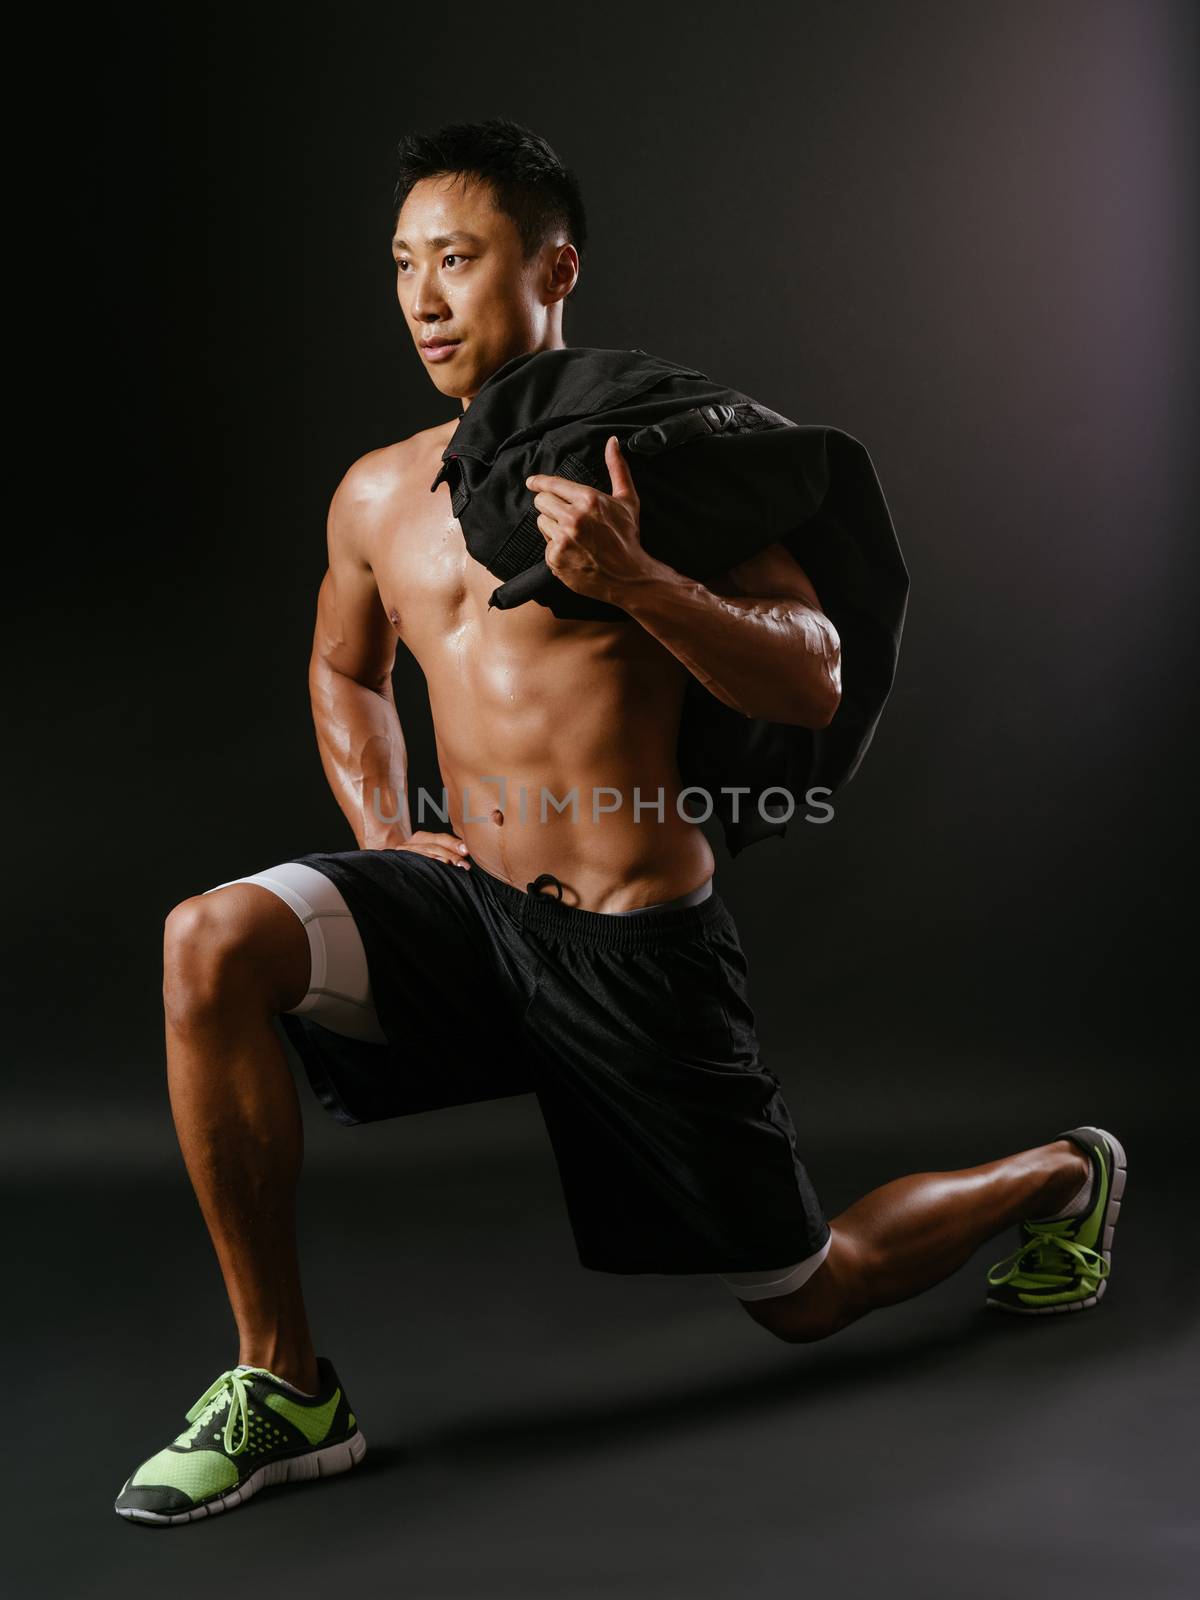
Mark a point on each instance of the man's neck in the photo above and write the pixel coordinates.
(559, 345)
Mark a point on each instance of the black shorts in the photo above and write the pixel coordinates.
(673, 1143)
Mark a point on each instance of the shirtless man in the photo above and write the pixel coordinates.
(433, 967)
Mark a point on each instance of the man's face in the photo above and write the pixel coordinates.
(460, 278)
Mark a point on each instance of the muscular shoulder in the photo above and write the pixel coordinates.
(375, 479)
(379, 483)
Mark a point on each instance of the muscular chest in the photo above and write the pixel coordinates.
(436, 595)
(421, 563)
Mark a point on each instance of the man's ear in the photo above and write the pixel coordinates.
(564, 273)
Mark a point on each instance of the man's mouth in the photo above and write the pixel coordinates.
(438, 349)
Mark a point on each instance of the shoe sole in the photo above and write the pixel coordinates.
(325, 1463)
(1112, 1212)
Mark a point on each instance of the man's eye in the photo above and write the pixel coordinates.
(401, 263)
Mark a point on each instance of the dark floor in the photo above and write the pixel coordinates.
(538, 1430)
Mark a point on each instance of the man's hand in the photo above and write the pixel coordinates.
(439, 846)
(778, 657)
(593, 539)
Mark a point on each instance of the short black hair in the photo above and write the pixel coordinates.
(529, 183)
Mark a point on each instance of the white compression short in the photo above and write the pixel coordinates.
(339, 998)
(339, 986)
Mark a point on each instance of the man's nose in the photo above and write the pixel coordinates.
(428, 301)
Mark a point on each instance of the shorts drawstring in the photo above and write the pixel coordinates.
(543, 878)
(552, 915)
(535, 888)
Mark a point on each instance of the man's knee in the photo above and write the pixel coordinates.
(236, 938)
(832, 1298)
(796, 1318)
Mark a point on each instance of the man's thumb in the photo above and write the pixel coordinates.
(618, 470)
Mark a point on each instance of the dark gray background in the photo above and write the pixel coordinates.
(964, 235)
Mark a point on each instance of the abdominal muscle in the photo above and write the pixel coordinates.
(546, 705)
(571, 785)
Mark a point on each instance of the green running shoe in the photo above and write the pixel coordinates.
(1064, 1266)
(270, 1434)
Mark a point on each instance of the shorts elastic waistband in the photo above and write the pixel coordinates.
(542, 910)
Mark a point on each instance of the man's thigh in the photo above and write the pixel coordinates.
(410, 1006)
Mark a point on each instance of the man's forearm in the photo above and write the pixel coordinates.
(364, 755)
(776, 659)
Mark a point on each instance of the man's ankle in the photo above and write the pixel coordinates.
(299, 1371)
(1071, 1170)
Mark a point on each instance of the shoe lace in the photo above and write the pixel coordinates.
(1055, 1259)
(229, 1390)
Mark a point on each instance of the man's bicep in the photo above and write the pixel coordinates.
(352, 634)
(771, 574)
